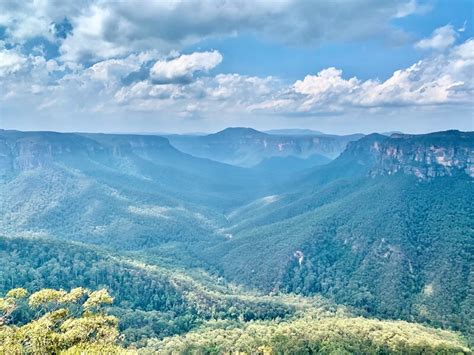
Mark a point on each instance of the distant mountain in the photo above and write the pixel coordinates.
(294, 132)
(289, 165)
(148, 158)
(165, 134)
(248, 147)
(389, 133)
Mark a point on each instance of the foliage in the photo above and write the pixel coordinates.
(150, 301)
(393, 246)
(308, 336)
(63, 323)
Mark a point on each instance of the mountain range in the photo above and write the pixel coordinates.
(247, 147)
(379, 224)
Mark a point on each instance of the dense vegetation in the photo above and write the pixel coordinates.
(394, 247)
(309, 336)
(149, 301)
(60, 322)
(63, 323)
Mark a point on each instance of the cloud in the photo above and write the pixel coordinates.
(328, 82)
(89, 58)
(88, 31)
(10, 62)
(411, 7)
(25, 20)
(440, 80)
(114, 59)
(440, 39)
(206, 95)
(116, 70)
(182, 69)
(463, 28)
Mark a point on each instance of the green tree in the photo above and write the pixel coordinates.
(63, 323)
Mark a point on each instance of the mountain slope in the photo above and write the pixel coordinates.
(316, 336)
(148, 158)
(124, 191)
(386, 227)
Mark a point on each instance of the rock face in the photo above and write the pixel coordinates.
(425, 156)
(20, 151)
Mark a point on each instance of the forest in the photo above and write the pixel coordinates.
(148, 309)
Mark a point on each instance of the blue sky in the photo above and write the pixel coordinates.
(336, 66)
(366, 59)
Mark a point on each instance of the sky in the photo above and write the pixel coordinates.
(338, 66)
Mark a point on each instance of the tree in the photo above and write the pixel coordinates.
(62, 323)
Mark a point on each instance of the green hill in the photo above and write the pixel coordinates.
(163, 310)
(310, 336)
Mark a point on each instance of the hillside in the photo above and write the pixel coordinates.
(164, 310)
(150, 301)
(378, 228)
(316, 336)
(146, 158)
(128, 192)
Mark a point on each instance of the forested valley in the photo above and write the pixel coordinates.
(124, 243)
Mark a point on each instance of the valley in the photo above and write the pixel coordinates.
(246, 231)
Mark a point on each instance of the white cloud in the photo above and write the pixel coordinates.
(90, 39)
(440, 39)
(327, 80)
(439, 80)
(182, 69)
(112, 70)
(10, 62)
(228, 86)
(463, 28)
(113, 61)
(443, 79)
(110, 29)
(224, 93)
(24, 20)
(446, 78)
(411, 7)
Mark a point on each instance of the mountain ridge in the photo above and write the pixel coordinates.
(248, 147)
(425, 156)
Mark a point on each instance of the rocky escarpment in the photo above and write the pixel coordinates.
(20, 151)
(424, 156)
